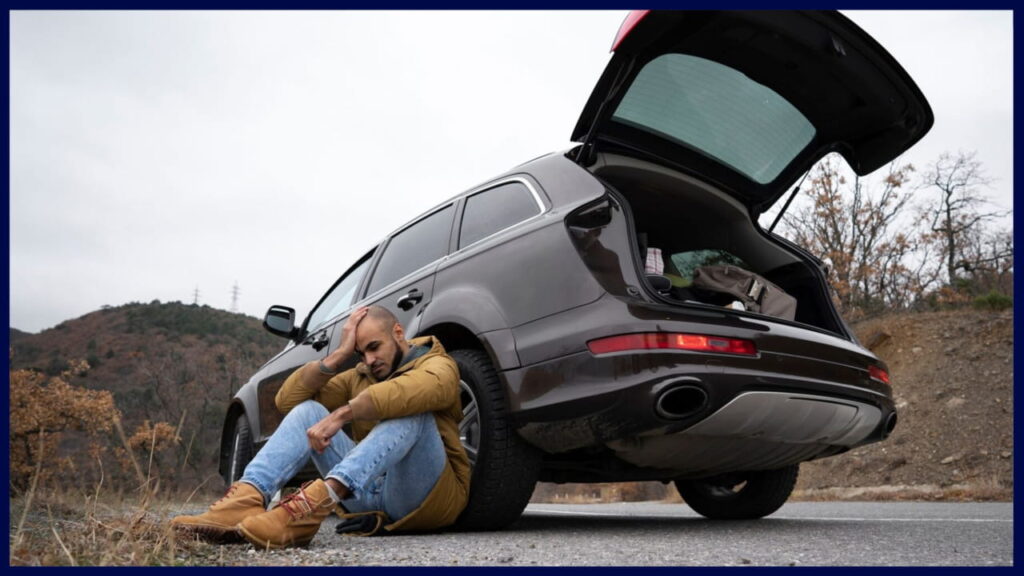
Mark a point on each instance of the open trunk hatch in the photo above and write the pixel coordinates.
(749, 100)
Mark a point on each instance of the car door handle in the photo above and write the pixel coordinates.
(411, 299)
(319, 341)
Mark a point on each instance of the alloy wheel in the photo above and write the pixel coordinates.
(469, 427)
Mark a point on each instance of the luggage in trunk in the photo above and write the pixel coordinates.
(755, 292)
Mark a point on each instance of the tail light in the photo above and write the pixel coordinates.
(877, 373)
(672, 341)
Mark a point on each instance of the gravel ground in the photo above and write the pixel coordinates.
(613, 534)
(330, 549)
(660, 534)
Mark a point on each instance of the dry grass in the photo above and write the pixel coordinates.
(72, 529)
(67, 526)
(981, 490)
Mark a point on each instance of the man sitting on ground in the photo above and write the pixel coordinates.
(404, 466)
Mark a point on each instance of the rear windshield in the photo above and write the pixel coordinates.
(717, 111)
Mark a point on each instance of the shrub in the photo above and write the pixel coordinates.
(994, 300)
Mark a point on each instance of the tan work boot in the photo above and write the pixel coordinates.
(219, 524)
(293, 522)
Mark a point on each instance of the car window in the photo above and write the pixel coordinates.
(413, 248)
(340, 296)
(494, 210)
(717, 111)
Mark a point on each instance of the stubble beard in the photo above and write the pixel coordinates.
(394, 361)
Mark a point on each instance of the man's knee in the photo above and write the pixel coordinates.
(416, 424)
(308, 410)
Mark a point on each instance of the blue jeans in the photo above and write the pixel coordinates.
(393, 469)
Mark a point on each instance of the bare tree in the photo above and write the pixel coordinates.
(987, 260)
(958, 218)
(858, 228)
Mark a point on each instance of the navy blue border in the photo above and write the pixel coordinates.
(1017, 289)
(5, 41)
(606, 5)
(501, 5)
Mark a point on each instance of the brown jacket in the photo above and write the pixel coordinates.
(429, 383)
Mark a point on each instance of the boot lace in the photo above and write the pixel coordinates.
(231, 490)
(297, 505)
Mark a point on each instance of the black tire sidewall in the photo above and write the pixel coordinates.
(764, 492)
(506, 467)
(241, 449)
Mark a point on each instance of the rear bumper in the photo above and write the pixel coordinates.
(759, 431)
(804, 395)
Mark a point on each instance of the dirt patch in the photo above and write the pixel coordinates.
(952, 379)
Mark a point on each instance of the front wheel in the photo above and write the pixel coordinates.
(241, 450)
(740, 495)
(505, 468)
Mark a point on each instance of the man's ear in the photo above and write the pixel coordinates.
(399, 332)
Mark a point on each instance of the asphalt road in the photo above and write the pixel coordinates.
(649, 534)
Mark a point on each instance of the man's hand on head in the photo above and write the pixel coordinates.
(347, 347)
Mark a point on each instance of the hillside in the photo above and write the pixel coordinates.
(952, 377)
(167, 362)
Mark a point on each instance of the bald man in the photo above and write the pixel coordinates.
(403, 469)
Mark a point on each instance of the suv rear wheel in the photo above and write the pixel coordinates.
(505, 468)
(739, 496)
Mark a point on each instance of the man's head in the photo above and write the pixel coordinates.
(380, 341)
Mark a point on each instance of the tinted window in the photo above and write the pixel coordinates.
(413, 248)
(494, 210)
(340, 297)
(718, 111)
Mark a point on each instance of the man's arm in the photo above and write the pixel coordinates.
(319, 435)
(431, 387)
(306, 382)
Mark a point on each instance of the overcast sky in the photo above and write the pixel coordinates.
(154, 153)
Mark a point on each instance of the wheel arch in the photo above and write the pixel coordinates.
(454, 336)
(499, 345)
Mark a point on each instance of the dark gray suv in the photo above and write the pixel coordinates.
(566, 291)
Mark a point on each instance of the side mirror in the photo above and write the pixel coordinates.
(280, 321)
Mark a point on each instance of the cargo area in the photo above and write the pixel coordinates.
(682, 224)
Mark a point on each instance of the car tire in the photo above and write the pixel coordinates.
(739, 496)
(241, 450)
(505, 468)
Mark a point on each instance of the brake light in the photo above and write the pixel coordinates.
(877, 373)
(672, 341)
(632, 19)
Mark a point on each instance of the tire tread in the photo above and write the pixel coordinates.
(506, 468)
